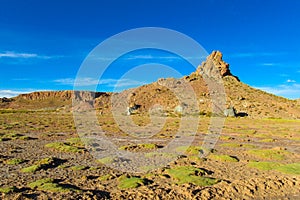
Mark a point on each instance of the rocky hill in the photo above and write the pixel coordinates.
(245, 99)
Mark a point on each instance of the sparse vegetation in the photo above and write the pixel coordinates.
(264, 165)
(269, 154)
(223, 158)
(41, 164)
(48, 184)
(293, 168)
(53, 129)
(189, 150)
(148, 146)
(131, 182)
(13, 136)
(7, 190)
(65, 147)
(268, 140)
(14, 161)
(105, 177)
(236, 145)
(189, 174)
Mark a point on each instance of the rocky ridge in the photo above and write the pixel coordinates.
(254, 102)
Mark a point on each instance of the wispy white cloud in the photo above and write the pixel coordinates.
(290, 81)
(87, 81)
(12, 54)
(255, 54)
(12, 93)
(269, 64)
(126, 83)
(291, 91)
(79, 81)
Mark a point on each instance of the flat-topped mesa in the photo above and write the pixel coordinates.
(64, 95)
(214, 65)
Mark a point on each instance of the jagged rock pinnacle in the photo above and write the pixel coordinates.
(219, 67)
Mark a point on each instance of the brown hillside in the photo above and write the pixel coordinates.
(254, 102)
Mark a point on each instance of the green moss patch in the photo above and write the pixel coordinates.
(48, 184)
(7, 190)
(131, 182)
(269, 154)
(236, 145)
(66, 147)
(14, 136)
(189, 174)
(264, 165)
(14, 161)
(189, 150)
(77, 141)
(293, 168)
(105, 177)
(147, 146)
(42, 164)
(223, 158)
(268, 140)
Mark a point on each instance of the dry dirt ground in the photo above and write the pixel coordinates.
(41, 157)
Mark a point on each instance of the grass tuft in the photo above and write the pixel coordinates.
(223, 158)
(14, 161)
(7, 190)
(48, 184)
(189, 174)
(236, 145)
(147, 146)
(131, 182)
(65, 147)
(264, 165)
(41, 164)
(189, 150)
(269, 154)
(293, 168)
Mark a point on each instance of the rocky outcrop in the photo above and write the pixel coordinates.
(214, 66)
(67, 95)
(230, 112)
(5, 100)
(63, 95)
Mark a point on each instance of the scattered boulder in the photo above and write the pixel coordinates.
(131, 109)
(230, 112)
(178, 109)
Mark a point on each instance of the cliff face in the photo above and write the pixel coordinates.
(50, 99)
(65, 95)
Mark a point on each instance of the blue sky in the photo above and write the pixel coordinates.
(43, 43)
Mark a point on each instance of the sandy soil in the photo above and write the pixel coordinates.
(237, 180)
